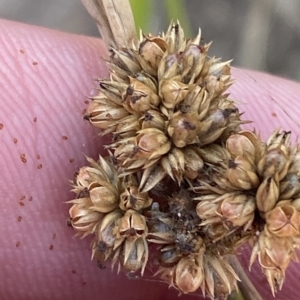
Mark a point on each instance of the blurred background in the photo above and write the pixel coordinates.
(257, 34)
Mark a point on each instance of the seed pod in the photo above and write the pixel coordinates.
(103, 113)
(274, 255)
(238, 209)
(241, 174)
(267, 194)
(274, 161)
(283, 220)
(289, 186)
(220, 277)
(83, 219)
(131, 224)
(172, 92)
(183, 129)
(139, 97)
(169, 256)
(153, 119)
(152, 143)
(104, 196)
(132, 198)
(213, 126)
(245, 143)
(152, 50)
(135, 254)
(189, 275)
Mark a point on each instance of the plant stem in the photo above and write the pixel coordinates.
(246, 287)
(114, 20)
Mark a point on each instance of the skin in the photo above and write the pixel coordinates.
(46, 77)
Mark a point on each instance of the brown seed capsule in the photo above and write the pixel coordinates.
(153, 119)
(152, 50)
(152, 143)
(274, 255)
(103, 113)
(131, 224)
(241, 174)
(283, 220)
(267, 194)
(274, 161)
(135, 254)
(246, 144)
(172, 92)
(139, 97)
(104, 196)
(220, 277)
(238, 209)
(189, 274)
(183, 129)
(83, 219)
(289, 186)
(132, 198)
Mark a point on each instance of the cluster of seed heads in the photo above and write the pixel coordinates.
(181, 175)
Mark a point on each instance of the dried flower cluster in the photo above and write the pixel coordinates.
(182, 175)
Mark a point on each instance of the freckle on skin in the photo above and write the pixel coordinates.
(86, 101)
(51, 247)
(39, 166)
(35, 63)
(22, 198)
(1, 126)
(23, 158)
(21, 203)
(72, 160)
(274, 114)
(34, 119)
(18, 243)
(22, 51)
(73, 271)
(15, 140)
(19, 219)
(84, 111)
(64, 137)
(30, 199)
(53, 236)
(38, 156)
(83, 283)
